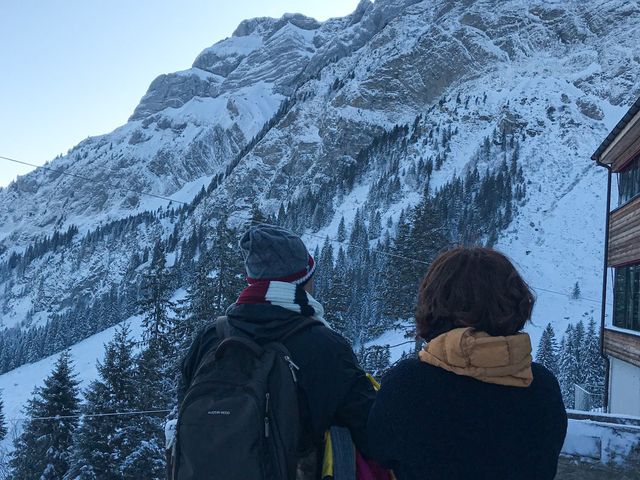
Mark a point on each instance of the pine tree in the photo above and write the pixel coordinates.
(156, 305)
(3, 424)
(324, 270)
(43, 450)
(547, 353)
(197, 309)
(156, 383)
(398, 273)
(337, 296)
(421, 236)
(593, 364)
(228, 268)
(568, 367)
(578, 347)
(342, 231)
(4, 456)
(375, 225)
(375, 359)
(575, 293)
(104, 443)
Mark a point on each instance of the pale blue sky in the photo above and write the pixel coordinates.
(74, 68)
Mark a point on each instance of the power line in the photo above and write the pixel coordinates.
(599, 302)
(91, 180)
(397, 344)
(242, 216)
(91, 415)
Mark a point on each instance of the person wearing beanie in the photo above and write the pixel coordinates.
(333, 389)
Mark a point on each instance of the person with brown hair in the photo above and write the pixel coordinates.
(473, 405)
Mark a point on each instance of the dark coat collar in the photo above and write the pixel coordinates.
(263, 322)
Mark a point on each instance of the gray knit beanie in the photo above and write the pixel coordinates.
(273, 253)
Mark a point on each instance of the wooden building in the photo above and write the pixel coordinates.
(620, 336)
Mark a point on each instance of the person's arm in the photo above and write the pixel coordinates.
(336, 389)
(353, 409)
(381, 434)
(552, 425)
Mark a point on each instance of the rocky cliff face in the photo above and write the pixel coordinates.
(287, 108)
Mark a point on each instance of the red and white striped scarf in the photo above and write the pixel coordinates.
(282, 294)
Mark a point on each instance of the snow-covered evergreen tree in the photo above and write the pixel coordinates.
(547, 353)
(593, 364)
(43, 450)
(580, 363)
(399, 275)
(578, 348)
(104, 443)
(421, 236)
(228, 268)
(342, 231)
(358, 239)
(157, 306)
(197, 308)
(4, 455)
(568, 366)
(156, 377)
(575, 293)
(337, 297)
(3, 422)
(375, 359)
(324, 270)
(375, 225)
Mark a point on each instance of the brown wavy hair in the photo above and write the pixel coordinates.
(472, 287)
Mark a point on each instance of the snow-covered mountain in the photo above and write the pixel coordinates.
(288, 116)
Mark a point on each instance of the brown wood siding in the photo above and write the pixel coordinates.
(624, 235)
(624, 346)
(625, 149)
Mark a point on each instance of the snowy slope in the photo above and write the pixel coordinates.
(17, 386)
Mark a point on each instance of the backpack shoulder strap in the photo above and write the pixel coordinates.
(223, 331)
(223, 328)
(228, 336)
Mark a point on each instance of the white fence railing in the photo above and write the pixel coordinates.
(588, 398)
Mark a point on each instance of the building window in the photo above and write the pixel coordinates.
(629, 182)
(626, 298)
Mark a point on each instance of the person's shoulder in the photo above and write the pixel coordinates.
(543, 379)
(546, 393)
(405, 367)
(408, 370)
(541, 372)
(321, 343)
(324, 335)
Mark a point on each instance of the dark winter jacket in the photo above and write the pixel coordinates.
(333, 388)
(431, 424)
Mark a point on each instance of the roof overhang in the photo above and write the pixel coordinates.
(623, 142)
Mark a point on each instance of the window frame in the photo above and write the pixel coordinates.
(629, 306)
(635, 166)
